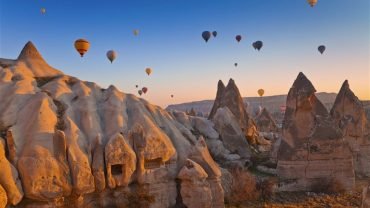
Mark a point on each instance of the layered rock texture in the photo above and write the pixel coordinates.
(313, 148)
(265, 122)
(350, 116)
(365, 198)
(73, 142)
(230, 97)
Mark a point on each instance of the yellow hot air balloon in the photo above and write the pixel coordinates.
(136, 32)
(261, 92)
(148, 71)
(43, 10)
(82, 46)
(312, 2)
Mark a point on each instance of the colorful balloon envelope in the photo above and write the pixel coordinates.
(312, 3)
(148, 71)
(144, 90)
(238, 38)
(261, 92)
(82, 46)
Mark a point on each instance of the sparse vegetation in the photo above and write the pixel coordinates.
(243, 187)
(328, 186)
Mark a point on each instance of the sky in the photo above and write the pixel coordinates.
(183, 63)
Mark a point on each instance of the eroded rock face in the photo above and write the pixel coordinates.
(74, 142)
(3, 198)
(312, 146)
(265, 122)
(230, 97)
(350, 116)
(232, 135)
(195, 190)
(365, 198)
(9, 180)
(120, 161)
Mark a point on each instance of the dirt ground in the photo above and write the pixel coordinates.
(309, 200)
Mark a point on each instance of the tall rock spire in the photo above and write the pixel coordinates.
(29, 51)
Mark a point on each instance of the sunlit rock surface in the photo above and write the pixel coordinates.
(74, 142)
(312, 147)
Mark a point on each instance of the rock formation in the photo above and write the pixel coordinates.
(365, 203)
(265, 122)
(350, 116)
(230, 97)
(195, 190)
(72, 141)
(312, 147)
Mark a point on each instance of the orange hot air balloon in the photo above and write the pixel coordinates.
(312, 2)
(148, 71)
(82, 46)
(144, 90)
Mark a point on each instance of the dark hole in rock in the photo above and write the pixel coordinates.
(116, 169)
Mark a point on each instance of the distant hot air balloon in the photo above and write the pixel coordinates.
(148, 71)
(136, 86)
(111, 55)
(136, 32)
(261, 92)
(171, 96)
(140, 92)
(214, 33)
(236, 64)
(312, 2)
(43, 10)
(144, 90)
(238, 38)
(321, 49)
(206, 35)
(257, 45)
(82, 46)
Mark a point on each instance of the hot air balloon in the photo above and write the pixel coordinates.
(140, 92)
(206, 35)
(261, 92)
(214, 33)
(136, 32)
(171, 96)
(144, 90)
(236, 64)
(43, 10)
(312, 2)
(257, 45)
(321, 49)
(111, 55)
(238, 38)
(136, 86)
(148, 71)
(82, 46)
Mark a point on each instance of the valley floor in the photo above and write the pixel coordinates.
(309, 200)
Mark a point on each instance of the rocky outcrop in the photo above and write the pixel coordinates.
(232, 135)
(195, 190)
(230, 97)
(350, 116)
(74, 142)
(265, 122)
(312, 147)
(3, 198)
(9, 180)
(365, 203)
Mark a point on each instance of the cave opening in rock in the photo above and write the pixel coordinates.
(116, 169)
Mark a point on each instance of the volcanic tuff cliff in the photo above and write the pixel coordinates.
(73, 142)
(230, 97)
(312, 149)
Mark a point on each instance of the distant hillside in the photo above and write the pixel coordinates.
(272, 103)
